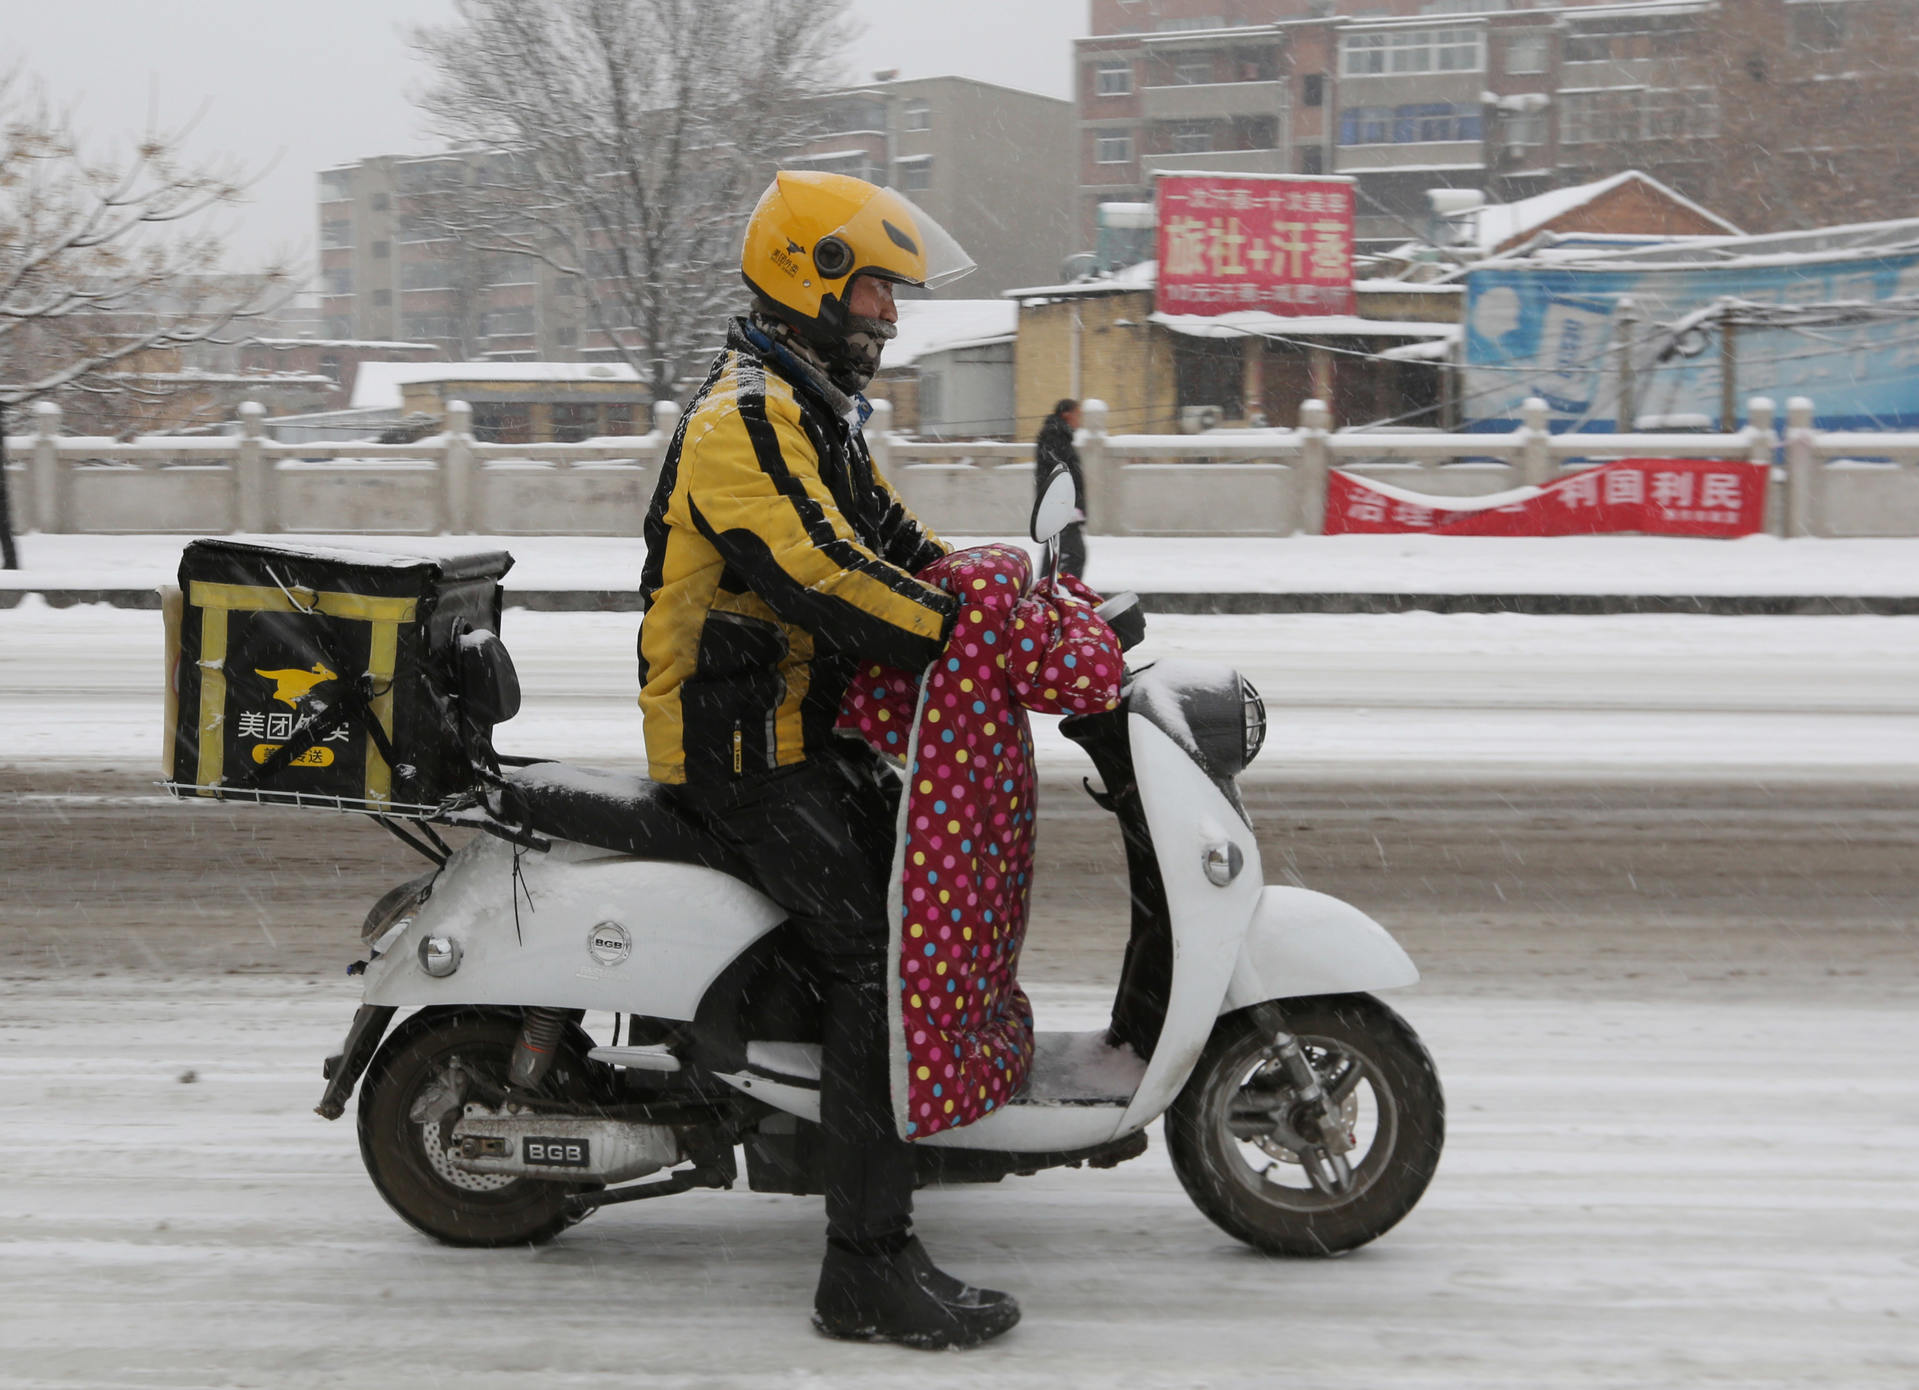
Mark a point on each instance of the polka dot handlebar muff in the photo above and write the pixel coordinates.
(964, 1036)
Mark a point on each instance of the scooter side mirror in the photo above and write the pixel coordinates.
(1055, 508)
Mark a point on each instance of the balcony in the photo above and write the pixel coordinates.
(1202, 100)
(1219, 162)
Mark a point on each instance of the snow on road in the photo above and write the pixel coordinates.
(1215, 564)
(1395, 695)
(1682, 1194)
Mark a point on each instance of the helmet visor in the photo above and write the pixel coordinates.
(893, 239)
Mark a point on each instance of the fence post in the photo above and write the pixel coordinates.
(252, 489)
(1315, 458)
(1802, 469)
(1760, 440)
(457, 470)
(49, 497)
(879, 437)
(1535, 443)
(1104, 502)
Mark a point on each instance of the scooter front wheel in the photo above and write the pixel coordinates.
(1309, 1126)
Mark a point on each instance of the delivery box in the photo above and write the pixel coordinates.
(325, 677)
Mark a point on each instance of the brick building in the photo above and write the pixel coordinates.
(1509, 97)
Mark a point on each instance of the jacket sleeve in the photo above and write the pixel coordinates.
(905, 540)
(756, 494)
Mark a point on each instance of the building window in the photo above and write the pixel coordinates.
(1113, 149)
(1194, 70)
(335, 185)
(383, 298)
(1312, 89)
(1192, 139)
(337, 281)
(1255, 132)
(1588, 48)
(381, 250)
(572, 423)
(619, 419)
(1818, 28)
(931, 413)
(506, 323)
(1113, 79)
(1412, 50)
(426, 275)
(336, 232)
(339, 328)
(1366, 125)
(1418, 124)
(1182, 26)
(917, 116)
(1526, 53)
(330, 366)
(1526, 128)
(1463, 6)
(423, 326)
(502, 422)
(1312, 160)
(916, 175)
(380, 202)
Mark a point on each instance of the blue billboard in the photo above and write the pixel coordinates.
(1548, 331)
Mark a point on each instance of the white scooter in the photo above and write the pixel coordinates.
(1303, 1116)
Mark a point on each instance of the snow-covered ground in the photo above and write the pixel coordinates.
(1298, 564)
(1647, 1196)
(1413, 694)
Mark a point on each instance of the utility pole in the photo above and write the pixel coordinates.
(9, 557)
(1625, 328)
(1728, 371)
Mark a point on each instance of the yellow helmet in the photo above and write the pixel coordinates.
(812, 233)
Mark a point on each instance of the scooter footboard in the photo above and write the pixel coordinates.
(1301, 942)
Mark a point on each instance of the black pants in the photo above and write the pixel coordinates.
(1072, 550)
(819, 839)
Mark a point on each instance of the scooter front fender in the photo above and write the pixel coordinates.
(1301, 942)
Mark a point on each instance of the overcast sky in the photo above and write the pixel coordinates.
(300, 86)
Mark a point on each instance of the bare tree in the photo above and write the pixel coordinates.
(106, 265)
(623, 143)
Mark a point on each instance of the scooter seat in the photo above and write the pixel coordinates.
(621, 811)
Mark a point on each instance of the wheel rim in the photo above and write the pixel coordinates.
(431, 1135)
(1252, 1082)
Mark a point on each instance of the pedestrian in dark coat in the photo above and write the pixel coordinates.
(1054, 448)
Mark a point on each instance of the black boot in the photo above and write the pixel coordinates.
(903, 1297)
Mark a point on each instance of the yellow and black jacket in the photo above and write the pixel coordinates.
(777, 559)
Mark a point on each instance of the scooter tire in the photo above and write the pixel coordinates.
(1408, 1127)
(434, 1199)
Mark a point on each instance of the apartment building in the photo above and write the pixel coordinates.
(389, 271)
(993, 165)
(1508, 97)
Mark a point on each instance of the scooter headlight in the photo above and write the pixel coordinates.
(1253, 718)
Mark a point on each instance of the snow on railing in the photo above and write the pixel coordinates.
(1224, 482)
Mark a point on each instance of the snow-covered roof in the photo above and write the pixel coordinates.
(1143, 276)
(1491, 225)
(379, 384)
(940, 325)
(1257, 323)
(340, 343)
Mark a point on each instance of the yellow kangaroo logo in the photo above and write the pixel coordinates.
(293, 686)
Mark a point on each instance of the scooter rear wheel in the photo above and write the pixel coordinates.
(407, 1159)
(1235, 1131)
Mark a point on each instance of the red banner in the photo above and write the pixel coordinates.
(1274, 242)
(1658, 497)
